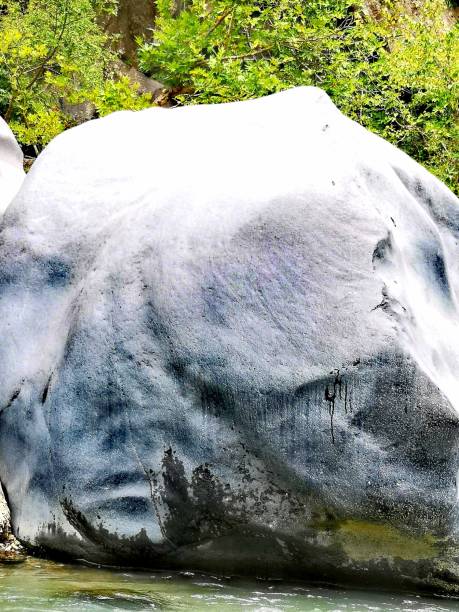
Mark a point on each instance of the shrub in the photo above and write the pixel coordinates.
(53, 51)
(120, 94)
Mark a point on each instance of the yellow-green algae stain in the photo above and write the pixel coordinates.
(365, 541)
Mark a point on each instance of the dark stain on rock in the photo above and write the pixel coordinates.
(212, 398)
(177, 368)
(197, 510)
(175, 496)
(133, 549)
(384, 304)
(44, 395)
(436, 264)
(13, 398)
(59, 272)
(331, 395)
(382, 250)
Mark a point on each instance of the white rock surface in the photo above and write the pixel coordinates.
(11, 166)
(11, 177)
(229, 333)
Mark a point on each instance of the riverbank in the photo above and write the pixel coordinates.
(44, 585)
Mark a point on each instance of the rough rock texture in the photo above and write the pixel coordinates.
(79, 113)
(134, 19)
(11, 170)
(230, 342)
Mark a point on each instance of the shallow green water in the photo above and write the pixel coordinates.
(44, 585)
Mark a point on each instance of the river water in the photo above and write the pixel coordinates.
(48, 586)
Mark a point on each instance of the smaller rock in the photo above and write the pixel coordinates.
(11, 170)
(4, 517)
(81, 112)
(11, 550)
(144, 83)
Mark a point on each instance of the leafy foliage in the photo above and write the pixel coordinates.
(53, 51)
(120, 94)
(394, 72)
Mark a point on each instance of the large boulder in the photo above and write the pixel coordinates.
(230, 341)
(11, 166)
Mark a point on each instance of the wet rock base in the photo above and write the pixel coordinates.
(11, 550)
